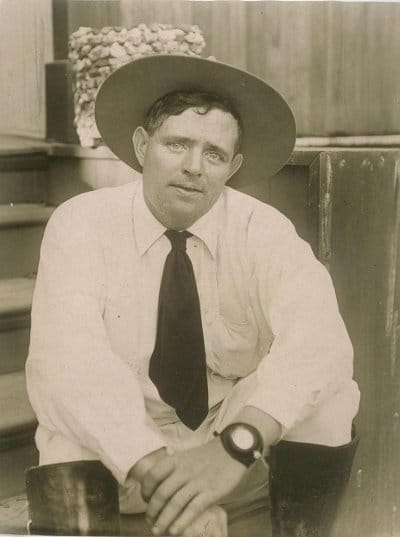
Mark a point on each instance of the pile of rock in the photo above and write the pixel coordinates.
(94, 54)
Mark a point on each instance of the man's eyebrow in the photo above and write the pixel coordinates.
(218, 149)
(177, 138)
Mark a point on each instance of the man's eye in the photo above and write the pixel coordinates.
(176, 146)
(214, 156)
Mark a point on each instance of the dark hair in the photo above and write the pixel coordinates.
(177, 102)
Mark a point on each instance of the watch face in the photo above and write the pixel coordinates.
(242, 438)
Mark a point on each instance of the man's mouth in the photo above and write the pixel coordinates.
(187, 188)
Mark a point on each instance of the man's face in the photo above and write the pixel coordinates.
(186, 164)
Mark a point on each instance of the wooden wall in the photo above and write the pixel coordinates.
(336, 62)
(26, 43)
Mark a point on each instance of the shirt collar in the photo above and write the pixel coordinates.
(148, 229)
(207, 227)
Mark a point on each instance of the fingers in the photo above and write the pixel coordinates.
(174, 507)
(212, 523)
(190, 513)
(156, 475)
(165, 492)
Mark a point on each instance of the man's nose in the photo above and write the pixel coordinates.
(193, 162)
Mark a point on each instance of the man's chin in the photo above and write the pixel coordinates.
(183, 215)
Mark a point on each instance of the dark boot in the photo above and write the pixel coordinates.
(307, 482)
(72, 498)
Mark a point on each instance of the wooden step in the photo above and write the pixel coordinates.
(13, 463)
(18, 146)
(23, 186)
(23, 170)
(15, 297)
(17, 429)
(14, 344)
(17, 418)
(24, 214)
(15, 306)
(21, 232)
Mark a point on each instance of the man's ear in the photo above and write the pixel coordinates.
(140, 140)
(235, 164)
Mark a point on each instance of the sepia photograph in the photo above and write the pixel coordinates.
(200, 268)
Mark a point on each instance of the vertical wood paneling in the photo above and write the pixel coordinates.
(364, 207)
(96, 13)
(293, 192)
(335, 62)
(60, 29)
(25, 46)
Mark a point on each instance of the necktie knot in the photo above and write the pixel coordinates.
(178, 239)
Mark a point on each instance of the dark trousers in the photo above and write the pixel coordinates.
(307, 482)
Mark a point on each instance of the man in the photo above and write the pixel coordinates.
(181, 329)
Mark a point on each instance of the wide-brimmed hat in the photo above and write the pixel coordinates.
(126, 96)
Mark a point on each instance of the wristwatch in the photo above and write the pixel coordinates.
(243, 442)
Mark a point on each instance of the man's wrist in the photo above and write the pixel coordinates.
(242, 442)
(222, 452)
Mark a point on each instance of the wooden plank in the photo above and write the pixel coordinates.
(17, 416)
(25, 46)
(15, 296)
(290, 191)
(325, 210)
(314, 204)
(19, 146)
(364, 248)
(24, 214)
(16, 162)
(13, 463)
(349, 141)
(23, 186)
(60, 29)
(14, 344)
(95, 13)
(71, 176)
(20, 247)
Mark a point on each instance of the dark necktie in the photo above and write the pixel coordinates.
(178, 362)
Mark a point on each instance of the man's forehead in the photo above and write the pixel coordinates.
(199, 120)
(203, 114)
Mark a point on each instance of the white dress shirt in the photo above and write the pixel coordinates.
(267, 305)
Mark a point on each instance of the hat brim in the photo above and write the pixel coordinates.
(126, 96)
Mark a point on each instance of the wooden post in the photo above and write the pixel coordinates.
(360, 239)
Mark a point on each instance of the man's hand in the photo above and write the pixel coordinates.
(180, 487)
(143, 465)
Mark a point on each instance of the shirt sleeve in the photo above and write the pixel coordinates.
(311, 357)
(77, 385)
